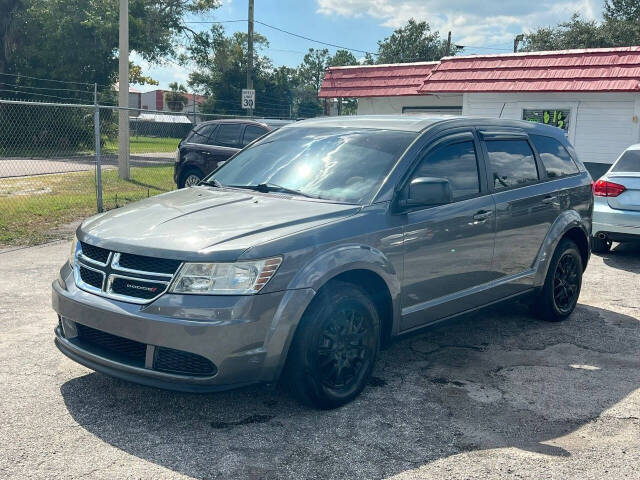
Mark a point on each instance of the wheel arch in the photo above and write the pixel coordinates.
(367, 268)
(569, 224)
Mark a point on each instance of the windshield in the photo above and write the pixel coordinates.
(340, 164)
(629, 162)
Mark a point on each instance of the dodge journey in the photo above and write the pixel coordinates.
(317, 244)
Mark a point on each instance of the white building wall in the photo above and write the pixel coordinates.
(396, 105)
(601, 125)
(148, 100)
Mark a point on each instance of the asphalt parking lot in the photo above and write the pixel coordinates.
(496, 394)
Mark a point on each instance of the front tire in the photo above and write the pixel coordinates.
(600, 245)
(190, 177)
(334, 348)
(561, 289)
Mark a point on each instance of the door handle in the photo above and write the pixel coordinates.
(549, 199)
(482, 215)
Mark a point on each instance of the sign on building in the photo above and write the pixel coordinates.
(248, 98)
(557, 118)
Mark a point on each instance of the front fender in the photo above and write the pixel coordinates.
(316, 273)
(331, 263)
(566, 221)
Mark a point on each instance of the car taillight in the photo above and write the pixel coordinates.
(602, 188)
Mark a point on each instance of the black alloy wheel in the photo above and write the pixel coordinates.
(566, 283)
(334, 348)
(344, 348)
(559, 295)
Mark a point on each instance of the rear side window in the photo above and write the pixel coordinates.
(201, 133)
(555, 158)
(251, 133)
(229, 135)
(512, 163)
(457, 163)
(629, 162)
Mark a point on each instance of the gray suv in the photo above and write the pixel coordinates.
(317, 244)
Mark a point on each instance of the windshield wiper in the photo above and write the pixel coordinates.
(272, 187)
(213, 183)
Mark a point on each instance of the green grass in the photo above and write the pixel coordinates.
(33, 209)
(144, 144)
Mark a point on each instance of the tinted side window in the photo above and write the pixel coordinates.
(251, 133)
(228, 135)
(555, 158)
(629, 162)
(201, 134)
(512, 163)
(457, 163)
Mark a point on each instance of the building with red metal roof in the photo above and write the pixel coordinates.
(593, 94)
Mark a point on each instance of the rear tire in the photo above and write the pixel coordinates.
(334, 348)
(561, 289)
(600, 246)
(190, 177)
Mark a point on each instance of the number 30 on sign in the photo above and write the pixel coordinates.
(248, 98)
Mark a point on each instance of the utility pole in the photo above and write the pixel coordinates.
(123, 92)
(516, 41)
(250, 53)
(448, 44)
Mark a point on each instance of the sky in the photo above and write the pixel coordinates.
(487, 26)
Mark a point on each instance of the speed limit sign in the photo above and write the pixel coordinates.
(248, 98)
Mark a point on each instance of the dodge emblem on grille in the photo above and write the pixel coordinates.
(140, 287)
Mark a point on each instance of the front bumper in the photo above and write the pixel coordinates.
(245, 337)
(615, 223)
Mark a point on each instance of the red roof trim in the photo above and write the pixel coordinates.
(585, 70)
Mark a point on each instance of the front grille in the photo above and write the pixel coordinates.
(133, 351)
(183, 363)
(124, 276)
(94, 253)
(91, 277)
(137, 289)
(148, 264)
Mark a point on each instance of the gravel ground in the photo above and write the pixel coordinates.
(497, 394)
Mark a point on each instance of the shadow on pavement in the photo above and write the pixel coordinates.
(624, 256)
(498, 378)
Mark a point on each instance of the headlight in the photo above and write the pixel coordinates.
(72, 253)
(239, 278)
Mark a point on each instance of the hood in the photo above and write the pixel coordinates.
(201, 222)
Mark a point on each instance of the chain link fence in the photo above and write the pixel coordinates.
(59, 164)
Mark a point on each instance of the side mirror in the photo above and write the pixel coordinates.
(425, 191)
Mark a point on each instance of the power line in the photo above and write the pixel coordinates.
(290, 33)
(45, 79)
(84, 92)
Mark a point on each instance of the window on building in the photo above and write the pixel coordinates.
(555, 158)
(554, 117)
(251, 133)
(457, 163)
(512, 163)
(229, 135)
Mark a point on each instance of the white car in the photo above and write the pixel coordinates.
(616, 210)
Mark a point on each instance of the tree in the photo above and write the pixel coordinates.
(622, 21)
(415, 42)
(619, 27)
(176, 99)
(576, 33)
(311, 70)
(342, 58)
(221, 63)
(77, 40)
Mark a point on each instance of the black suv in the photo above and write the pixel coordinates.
(210, 143)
